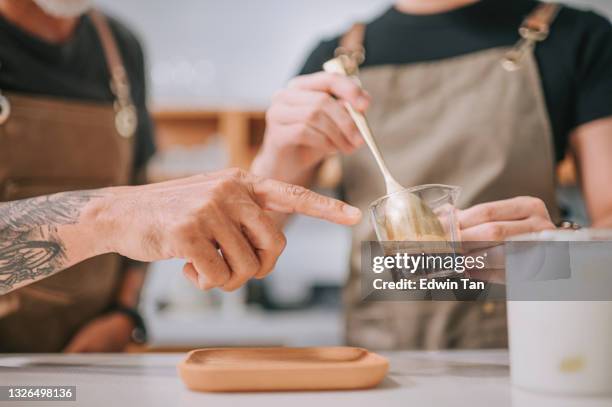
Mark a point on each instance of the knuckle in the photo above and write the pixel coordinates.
(251, 211)
(236, 174)
(301, 131)
(538, 205)
(185, 231)
(529, 202)
(217, 274)
(494, 232)
(296, 191)
(347, 125)
(322, 100)
(313, 114)
(301, 138)
(353, 91)
(277, 244)
(275, 239)
(210, 207)
(225, 185)
(221, 187)
(333, 204)
(253, 266)
(488, 212)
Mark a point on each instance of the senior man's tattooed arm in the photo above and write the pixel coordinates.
(31, 245)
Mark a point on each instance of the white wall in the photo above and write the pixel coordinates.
(237, 52)
(231, 52)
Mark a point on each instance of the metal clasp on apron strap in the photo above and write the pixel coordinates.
(126, 118)
(350, 51)
(5, 109)
(534, 29)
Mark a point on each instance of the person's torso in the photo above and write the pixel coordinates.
(573, 62)
(48, 145)
(463, 121)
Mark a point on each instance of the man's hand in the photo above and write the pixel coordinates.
(108, 333)
(306, 122)
(498, 220)
(217, 222)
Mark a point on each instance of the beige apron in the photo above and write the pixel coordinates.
(462, 121)
(49, 145)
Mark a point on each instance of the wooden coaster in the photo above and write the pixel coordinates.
(282, 369)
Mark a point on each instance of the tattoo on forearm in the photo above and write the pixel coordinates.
(29, 245)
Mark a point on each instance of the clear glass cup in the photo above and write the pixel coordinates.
(410, 233)
(440, 199)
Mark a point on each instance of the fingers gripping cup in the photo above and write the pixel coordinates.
(428, 225)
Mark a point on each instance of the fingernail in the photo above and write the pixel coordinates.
(351, 211)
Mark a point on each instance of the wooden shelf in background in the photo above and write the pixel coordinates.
(241, 130)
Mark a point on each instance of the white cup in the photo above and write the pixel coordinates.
(558, 346)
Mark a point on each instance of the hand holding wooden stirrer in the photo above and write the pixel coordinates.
(407, 216)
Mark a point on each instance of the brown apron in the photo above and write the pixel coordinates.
(463, 121)
(48, 145)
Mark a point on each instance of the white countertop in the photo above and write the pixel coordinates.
(460, 378)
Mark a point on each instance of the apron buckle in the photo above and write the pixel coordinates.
(529, 37)
(350, 59)
(126, 119)
(5, 109)
(513, 58)
(535, 28)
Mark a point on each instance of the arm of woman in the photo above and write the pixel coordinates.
(592, 146)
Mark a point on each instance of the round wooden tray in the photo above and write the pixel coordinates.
(282, 369)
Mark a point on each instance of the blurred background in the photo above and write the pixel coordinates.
(208, 103)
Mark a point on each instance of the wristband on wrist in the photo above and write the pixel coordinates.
(568, 225)
(139, 333)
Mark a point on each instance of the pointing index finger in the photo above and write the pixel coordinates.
(287, 198)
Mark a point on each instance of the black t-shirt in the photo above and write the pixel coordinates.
(77, 70)
(575, 61)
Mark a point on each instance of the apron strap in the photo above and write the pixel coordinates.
(120, 85)
(125, 119)
(540, 19)
(535, 28)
